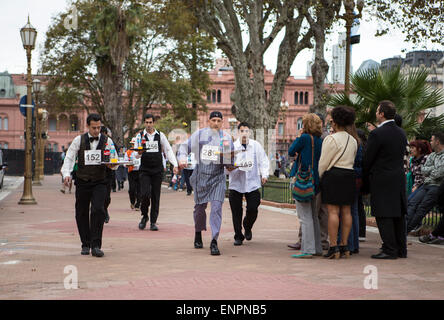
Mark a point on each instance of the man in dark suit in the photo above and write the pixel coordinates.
(384, 178)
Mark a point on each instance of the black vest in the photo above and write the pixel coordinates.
(151, 162)
(90, 173)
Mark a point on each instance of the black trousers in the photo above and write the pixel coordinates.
(362, 217)
(253, 201)
(439, 230)
(187, 173)
(134, 187)
(90, 227)
(107, 197)
(393, 235)
(150, 185)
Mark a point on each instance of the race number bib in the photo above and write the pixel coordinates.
(245, 163)
(210, 153)
(152, 146)
(93, 157)
(136, 162)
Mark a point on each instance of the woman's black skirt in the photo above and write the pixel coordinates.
(338, 186)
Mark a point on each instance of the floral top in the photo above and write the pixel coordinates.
(415, 169)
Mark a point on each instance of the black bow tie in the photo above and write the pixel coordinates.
(91, 139)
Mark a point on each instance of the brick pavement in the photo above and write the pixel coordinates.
(38, 242)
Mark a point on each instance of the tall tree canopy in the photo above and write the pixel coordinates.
(119, 62)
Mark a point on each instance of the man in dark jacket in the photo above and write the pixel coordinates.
(384, 178)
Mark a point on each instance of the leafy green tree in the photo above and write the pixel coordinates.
(120, 62)
(410, 93)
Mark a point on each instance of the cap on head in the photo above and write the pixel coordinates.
(216, 114)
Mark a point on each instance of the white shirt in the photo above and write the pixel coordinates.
(166, 147)
(386, 121)
(73, 150)
(248, 181)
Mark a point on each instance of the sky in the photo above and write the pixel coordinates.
(13, 16)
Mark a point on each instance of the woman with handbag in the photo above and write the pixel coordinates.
(338, 179)
(306, 185)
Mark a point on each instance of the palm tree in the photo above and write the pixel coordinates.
(410, 93)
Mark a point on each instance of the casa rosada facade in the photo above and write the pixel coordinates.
(64, 127)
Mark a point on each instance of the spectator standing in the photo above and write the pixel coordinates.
(338, 179)
(384, 178)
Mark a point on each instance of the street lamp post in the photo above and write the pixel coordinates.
(36, 84)
(28, 34)
(349, 17)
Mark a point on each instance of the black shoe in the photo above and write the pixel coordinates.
(198, 244)
(383, 255)
(96, 252)
(85, 251)
(214, 250)
(237, 242)
(153, 227)
(114, 190)
(143, 222)
(248, 234)
(344, 252)
(107, 218)
(188, 193)
(137, 205)
(333, 253)
(402, 255)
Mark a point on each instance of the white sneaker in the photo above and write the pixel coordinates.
(169, 188)
(361, 239)
(180, 190)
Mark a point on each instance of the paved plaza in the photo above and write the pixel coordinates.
(40, 257)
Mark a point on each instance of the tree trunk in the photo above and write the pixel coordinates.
(112, 88)
(319, 71)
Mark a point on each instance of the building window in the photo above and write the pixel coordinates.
(301, 98)
(52, 123)
(219, 96)
(5, 145)
(296, 95)
(5, 124)
(213, 96)
(306, 97)
(281, 129)
(299, 123)
(209, 97)
(55, 147)
(74, 123)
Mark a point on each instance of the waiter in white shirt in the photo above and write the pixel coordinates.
(91, 148)
(151, 169)
(252, 171)
(133, 176)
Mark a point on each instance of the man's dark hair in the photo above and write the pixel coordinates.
(243, 124)
(440, 136)
(398, 120)
(104, 130)
(388, 108)
(93, 117)
(149, 115)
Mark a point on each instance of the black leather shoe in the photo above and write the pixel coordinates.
(96, 252)
(383, 255)
(107, 218)
(153, 227)
(402, 255)
(344, 252)
(237, 242)
(198, 240)
(248, 234)
(333, 253)
(214, 250)
(85, 251)
(143, 222)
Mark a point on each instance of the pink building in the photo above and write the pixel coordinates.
(64, 127)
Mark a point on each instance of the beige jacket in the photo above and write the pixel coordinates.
(332, 149)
